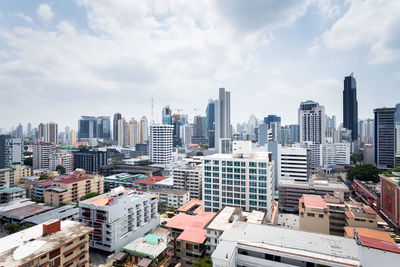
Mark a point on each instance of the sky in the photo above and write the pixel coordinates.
(63, 59)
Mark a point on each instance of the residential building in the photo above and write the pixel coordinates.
(290, 192)
(361, 215)
(312, 122)
(366, 131)
(161, 144)
(314, 214)
(390, 198)
(144, 130)
(193, 207)
(37, 189)
(11, 151)
(398, 138)
(117, 117)
(123, 133)
(72, 138)
(350, 106)
(369, 154)
(133, 132)
(186, 134)
(188, 177)
(70, 188)
(53, 243)
(148, 183)
(90, 161)
(187, 238)
(315, 156)
(222, 116)
(15, 173)
(12, 194)
(119, 217)
(3, 161)
(63, 159)
(224, 219)
(294, 163)
(263, 134)
(385, 144)
(243, 178)
(41, 155)
(333, 154)
(51, 133)
(171, 197)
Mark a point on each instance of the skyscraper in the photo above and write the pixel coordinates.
(104, 127)
(385, 143)
(20, 131)
(87, 127)
(271, 118)
(350, 106)
(41, 132)
(133, 132)
(144, 130)
(312, 122)
(161, 144)
(117, 117)
(397, 114)
(51, 133)
(166, 116)
(122, 132)
(222, 116)
(29, 130)
(210, 115)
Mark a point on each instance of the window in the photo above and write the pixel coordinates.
(253, 184)
(253, 164)
(262, 171)
(216, 162)
(252, 177)
(262, 184)
(82, 247)
(82, 237)
(321, 215)
(68, 254)
(70, 243)
(310, 214)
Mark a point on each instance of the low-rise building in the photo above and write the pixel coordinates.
(148, 182)
(66, 212)
(12, 194)
(193, 207)
(186, 242)
(126, 180)
(15, 173)
(16, 212)
(390, 197)
(119, 217)
(63, 159)
(314, 216)
(171, 197)
(361, 215)
(52, 243)
(70, 188)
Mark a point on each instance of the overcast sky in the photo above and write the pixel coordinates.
(63, 59)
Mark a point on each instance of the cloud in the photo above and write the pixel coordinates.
(23, 17)
(44, 12)
(374, 24)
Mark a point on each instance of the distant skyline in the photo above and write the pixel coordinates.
(60, 60)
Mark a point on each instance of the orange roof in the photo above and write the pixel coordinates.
(102, 201)
(189, 205)
(368, 209)
(192, 226)
(348, 214)
(313, 201)
(370, 233)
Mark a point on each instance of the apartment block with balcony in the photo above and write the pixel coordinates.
(171, 197)
(119, 217)
(15, 173)
(11, 194)
(53, 243)
(187, 238)
(188, 177)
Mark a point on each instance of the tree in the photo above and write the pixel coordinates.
(116, 161)
(161, 208)
(357, 158)
(43, 176)
(14, 228)
(199, 153)
(171, 208)
(364, 172)
(60, 169)
(203, 262)
(89, 195)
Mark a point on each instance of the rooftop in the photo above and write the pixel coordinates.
(26, 211)
(324, 248)
(193, 204)
(58, 213)
(169, 191)
(21, 247)
(314, 201)
(327, 185)
(12, 190)
(125, 177)
(108, 199)
(253, 155)
(151, 180)
(192, 226)
(371, 233)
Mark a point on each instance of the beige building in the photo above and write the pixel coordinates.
(314, 215)
(53, 243)
(361, 215)
(70, 188)
(15, 173)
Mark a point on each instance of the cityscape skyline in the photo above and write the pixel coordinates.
(252, 57)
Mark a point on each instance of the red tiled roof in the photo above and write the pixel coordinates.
(368, 209)
(379, 244)
(314, 201)
(151, 180)
(348, 214)
(45, 183)
(72, 180)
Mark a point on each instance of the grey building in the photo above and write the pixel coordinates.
(222, 116)
(385, 145)
(350, 106)
(117, 117)
(90, 161)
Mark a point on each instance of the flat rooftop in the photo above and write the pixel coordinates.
(26, 211)
(300, 244)
(58, 213)
(107, 199)
(194, 204)
(314, 201)
(169, 191)
(21, 247)
(324, 185)
(11, 190)
(151, 180)
(246, 156)
(125, 177)
(152, 245)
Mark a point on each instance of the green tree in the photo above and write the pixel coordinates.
(203, 262)
(357, 158)
(43, 177)
(60, 169)
(89, 195)
(14, 228)
(161, 208)
(171, 208)
(364, 172)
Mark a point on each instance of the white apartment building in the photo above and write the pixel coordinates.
(295, 163)
(14, 151)
(243, 178)
(171, 197)
(312, 122)
(51, 133)
(118, 217)
(61, 158)
(333, 154)
(41, 155)
(188, 177)
(161, 144)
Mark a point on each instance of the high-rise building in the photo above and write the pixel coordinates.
(104, 127)
(210, 115)
(263, 134)
(3, 162)
(276, 131)
(117, 117)
(199, 127)
(41, 155)
(72, 138)
(222, 116)
(40, 136)
(29, 130)
(330, 122)
(11, 151)
(294, 164)
(166, 116)
(186, 134)
(272, 118)
(20, 131)
(51, 133)
(63, 159)
(122, 132)
(312, 122)
(398, 138)
(144, 130)
(366, 131)
(87, 127)
(385, 142)
(350, 106)
(188, 177)
(397, 114)
(294, 133)
(244, 178)
(90, 161)
(161, 144)
(133, 132)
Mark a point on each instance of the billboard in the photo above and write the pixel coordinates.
(388, 195)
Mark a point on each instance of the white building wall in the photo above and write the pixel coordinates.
(161, 143)
(294, 163)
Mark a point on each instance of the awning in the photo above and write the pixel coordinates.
(120, 256)
(144, 262)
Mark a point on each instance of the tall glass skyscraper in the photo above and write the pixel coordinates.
(385, 144)
(117, 117)
(103, 127)
(210, 118)
(350, 106)
(166, 116)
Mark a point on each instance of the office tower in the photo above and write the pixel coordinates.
(244, 178)
(294, 133)
(199, 127)
(366, 131)
(87, 127)
(350, 106)
(41, 132)
(398, 138)
(263, 134)
(29, 130)
(276, 131)
(41, 155)
(178, 120)
(187, 134)
(222, 116)
(166, 116)
(210, 115)
(122, 132)
(330, 122)
(333, 154)
(385, 144)
(117, 117)
(161, 144)
(312, 122)
(272, 118)
(72, 138)
(252, 124)
(144, 130)
(90, 161)
(51, 133)
(63, 159)
(397, 113)
(20, 131)
(119, 217)
(133, 132)
(103, 127)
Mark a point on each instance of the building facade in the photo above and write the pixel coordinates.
(63, 159)
(350, 106)
(189, 178)
(41, 155)
(90, 161)
(385, 144)
(312, 122)
(161, 144)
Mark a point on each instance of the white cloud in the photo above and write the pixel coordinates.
(23, 17)
(44, 12)
(374, 24)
